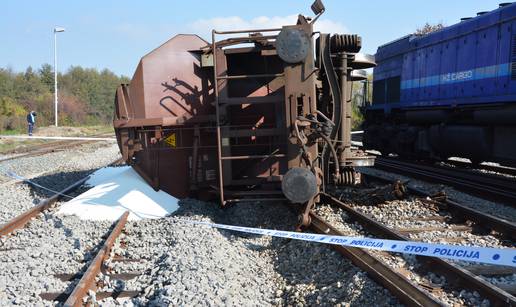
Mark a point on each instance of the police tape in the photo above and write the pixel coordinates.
(488, 255)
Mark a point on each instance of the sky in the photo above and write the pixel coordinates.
(116, 34)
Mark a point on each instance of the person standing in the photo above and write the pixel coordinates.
(31, 120)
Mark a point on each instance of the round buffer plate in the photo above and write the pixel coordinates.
(299, 185)
(292, 45)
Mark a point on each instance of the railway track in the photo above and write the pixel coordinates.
(24, 218)
(457, 211)
(452, 215)
(85, 289)
(498, 169)
(495, 170)
(487, 186)
(21, 220)
(84, 281)
(41, 149)
(409, 292)
(405, 290)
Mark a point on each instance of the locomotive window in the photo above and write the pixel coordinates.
(393, 89)
(387, 90)
(513, 58)
(379, 91)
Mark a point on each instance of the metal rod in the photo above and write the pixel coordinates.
(254, 199)
(55, 76)
(219, 145)
(253, 157)
(56, 30)
(246, 31)
(251, 76)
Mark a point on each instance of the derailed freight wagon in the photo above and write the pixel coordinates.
(259, 114)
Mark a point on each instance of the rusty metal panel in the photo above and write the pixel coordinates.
(171, 81)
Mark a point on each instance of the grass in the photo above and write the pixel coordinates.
(12, 132)
(8, 145)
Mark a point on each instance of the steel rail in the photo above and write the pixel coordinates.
(452, 271)
(21, 150)
(505, 227)
(493, 168)
(45, 148)
(476, 184)
(87, 281)
(21, 220)
(459, 173)
(406, 291)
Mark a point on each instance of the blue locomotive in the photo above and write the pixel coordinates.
(450, 93)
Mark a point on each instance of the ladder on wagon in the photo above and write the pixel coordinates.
(227, 135)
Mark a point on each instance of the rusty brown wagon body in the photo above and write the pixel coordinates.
(253, 114)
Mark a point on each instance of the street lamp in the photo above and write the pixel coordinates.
(56, 30)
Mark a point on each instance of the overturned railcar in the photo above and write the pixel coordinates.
(259, 114)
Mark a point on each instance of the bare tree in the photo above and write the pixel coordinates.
(429, 28)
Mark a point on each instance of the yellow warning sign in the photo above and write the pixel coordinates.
(171, 140)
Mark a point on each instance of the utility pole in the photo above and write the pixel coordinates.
(56, 30)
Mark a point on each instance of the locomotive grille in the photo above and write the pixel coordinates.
(513, 58)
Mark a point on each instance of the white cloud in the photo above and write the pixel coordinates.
(203, 27)
(330, 26)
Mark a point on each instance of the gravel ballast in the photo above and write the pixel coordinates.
(405, 263)
(187, 264)
(180, 263)
(54, 170)
(49, 244)
(483, 205)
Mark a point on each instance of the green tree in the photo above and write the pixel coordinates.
(6, 83)
(361, 94)
(429, 28)
(85, 95)
(47, 76)
(9, 107)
